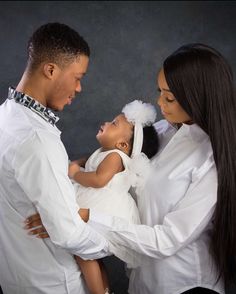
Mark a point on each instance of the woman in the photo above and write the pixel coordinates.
(188, 205)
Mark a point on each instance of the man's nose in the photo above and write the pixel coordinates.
(78, 87)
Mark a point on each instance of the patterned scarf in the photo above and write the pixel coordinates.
(33, 105)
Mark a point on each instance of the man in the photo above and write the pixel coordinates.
(34, 167)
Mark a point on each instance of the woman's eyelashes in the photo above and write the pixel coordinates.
(170, 100)
(166, 97)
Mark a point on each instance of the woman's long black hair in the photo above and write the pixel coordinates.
(202, 82)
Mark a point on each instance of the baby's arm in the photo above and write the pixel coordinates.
(110, 165)
(73, 169)
(75, 165)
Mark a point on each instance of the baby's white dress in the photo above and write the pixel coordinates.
(114, 198)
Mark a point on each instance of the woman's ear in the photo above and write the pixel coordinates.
(49, 70)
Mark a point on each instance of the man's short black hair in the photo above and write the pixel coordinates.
(56, 43)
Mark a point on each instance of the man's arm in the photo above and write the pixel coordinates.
(41, 171)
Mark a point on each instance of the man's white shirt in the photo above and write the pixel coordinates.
(33, 178)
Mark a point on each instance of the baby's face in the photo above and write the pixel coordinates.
(111, 133)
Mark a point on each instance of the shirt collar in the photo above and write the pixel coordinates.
(33, 105)
(196, 133)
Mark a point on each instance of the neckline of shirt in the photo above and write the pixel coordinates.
(193, 130)
(33, 105)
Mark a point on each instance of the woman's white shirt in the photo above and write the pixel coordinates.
(176, 207)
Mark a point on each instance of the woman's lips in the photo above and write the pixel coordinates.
(164, 113)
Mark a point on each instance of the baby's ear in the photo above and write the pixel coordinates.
(123, 146)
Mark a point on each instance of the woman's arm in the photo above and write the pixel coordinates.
(181, 226)
(35, 226)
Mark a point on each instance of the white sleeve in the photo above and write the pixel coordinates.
(41, 170)
(180, 226)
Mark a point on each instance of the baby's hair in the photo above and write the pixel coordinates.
(150, 141)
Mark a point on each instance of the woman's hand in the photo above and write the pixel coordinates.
(35, 226)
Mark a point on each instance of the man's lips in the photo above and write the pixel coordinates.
(69, 100)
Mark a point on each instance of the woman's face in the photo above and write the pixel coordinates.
(170, 108)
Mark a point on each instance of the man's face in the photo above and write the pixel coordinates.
(66, 83)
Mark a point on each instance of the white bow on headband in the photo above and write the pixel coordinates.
(140, 114)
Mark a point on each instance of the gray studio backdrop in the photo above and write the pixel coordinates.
(129, 41)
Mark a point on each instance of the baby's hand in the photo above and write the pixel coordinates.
(73, 169)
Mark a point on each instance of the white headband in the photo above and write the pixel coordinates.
(140, 114)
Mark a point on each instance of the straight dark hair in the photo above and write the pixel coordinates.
(202, 82)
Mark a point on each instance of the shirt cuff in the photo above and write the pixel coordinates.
(92, 244)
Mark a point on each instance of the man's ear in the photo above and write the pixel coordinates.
(49, 70)
(122, 145)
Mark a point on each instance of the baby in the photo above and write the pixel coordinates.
(104, 182)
